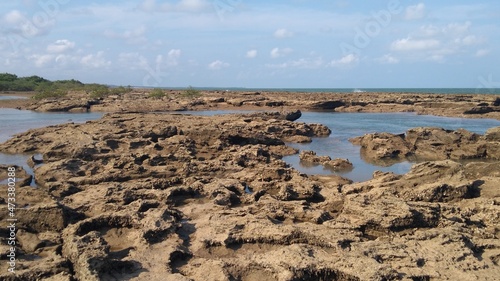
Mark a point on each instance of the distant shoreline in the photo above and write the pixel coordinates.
(143, 100)
(453, 91)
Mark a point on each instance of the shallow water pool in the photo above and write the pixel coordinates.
(348, 125)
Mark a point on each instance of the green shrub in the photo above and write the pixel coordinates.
(69, 84)
(8, 77)
(120, 90)
(97, 90)
(49, 94)
(191, 92)
(51, 89)
(157, 93)
(10, 82)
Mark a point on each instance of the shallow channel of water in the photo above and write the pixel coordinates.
(13, 121)
(2, 97)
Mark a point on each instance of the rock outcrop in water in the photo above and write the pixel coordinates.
(178, 197)
(338, 164)
(430, 144)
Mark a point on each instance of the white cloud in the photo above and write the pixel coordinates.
(174, 53)
(14, 17)
(251, 54)
(429, 31)
(159, 59)
(277, 52)
(17, 23)
(216, 65)
(53, 60)
(436, 43)
(409, 44)
(63, 59)
(135, 36)
(192, 5)
(481, 53)
(415, 12)
(457, 28)
(173, 57)
(95, 60)
(132, 60)
(180, 6)
(283, 33)
(347, 60)
(388, 59)
(309, 63)
(42, 60)
(148, 5)
(471, 40)
(60, 46)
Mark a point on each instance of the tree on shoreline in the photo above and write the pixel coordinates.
(55, 89)
(11, 82)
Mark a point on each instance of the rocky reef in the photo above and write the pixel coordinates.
(426, 144)
(460, 105)
(144, 196)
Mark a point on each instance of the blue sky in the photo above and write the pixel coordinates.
(243, 43)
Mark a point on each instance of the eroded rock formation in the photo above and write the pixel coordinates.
(462, 105)
(430, 144)
(178, 197)
(337, 164)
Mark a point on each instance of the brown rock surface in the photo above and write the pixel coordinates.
(22, 178)
(429, 144)
(382, 146)
(492, 134)
(460, 105)
(310, 158)
(179, 197)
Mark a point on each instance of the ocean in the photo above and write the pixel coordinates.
(457, 91)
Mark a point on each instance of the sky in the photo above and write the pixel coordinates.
(255, 44)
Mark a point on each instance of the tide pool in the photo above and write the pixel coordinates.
(13, 121)
(348, 125)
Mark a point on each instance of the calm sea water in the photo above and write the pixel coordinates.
(343, 126)
(478, 90)
(13, 121)
(11, 97)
